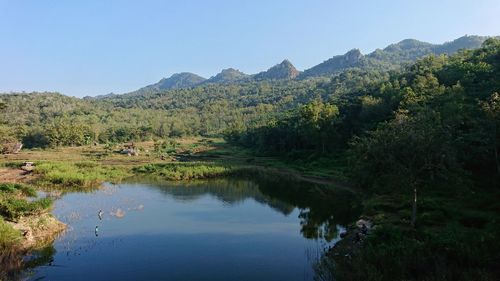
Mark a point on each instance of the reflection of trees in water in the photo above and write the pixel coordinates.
(321, 208)
(228, 190)
(12, 262)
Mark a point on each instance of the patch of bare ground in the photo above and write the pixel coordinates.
(15, 175)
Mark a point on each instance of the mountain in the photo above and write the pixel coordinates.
(227, 76)
(100, 97)
(392, 56)
(176, 81)
(334, 65)
(284, 70)
(464, 42)
(179, 80)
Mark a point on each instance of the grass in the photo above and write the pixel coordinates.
(309, 164)
(13, 208)
(185, 170)
(8, 236)
(71, 167)
(79, 175)
(13, 188)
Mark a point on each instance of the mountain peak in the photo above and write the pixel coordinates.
(283, 70)
(228, 75)
(352, 57)
(176, 81)
(464, 42)
(335, 64)
(407, 44)
(180, 80)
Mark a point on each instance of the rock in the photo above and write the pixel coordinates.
(130, 152)
(28, 235)
(364, 224)
(119, 213)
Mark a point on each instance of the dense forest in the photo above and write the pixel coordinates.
(443, 106)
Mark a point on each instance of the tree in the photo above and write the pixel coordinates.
(492, 109)
(317, 120)
(405, 155)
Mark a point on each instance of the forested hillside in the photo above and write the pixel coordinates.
(187, 104)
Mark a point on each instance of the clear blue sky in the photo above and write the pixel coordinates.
(95, 47)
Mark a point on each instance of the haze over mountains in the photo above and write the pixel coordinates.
(391, 57)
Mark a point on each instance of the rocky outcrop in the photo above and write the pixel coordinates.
(335, 65)
(283, 71)
(227, 76)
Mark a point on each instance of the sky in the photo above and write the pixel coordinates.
(95, 47)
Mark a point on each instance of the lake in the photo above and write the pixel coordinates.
(247, 228)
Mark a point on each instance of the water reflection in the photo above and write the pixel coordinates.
(252, 227)
(12, 262)
(322, 209)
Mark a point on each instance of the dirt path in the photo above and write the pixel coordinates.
(15, 175)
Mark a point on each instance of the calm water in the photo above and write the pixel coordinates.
(223, 229)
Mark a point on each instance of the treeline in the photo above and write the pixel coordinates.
(52, 119)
